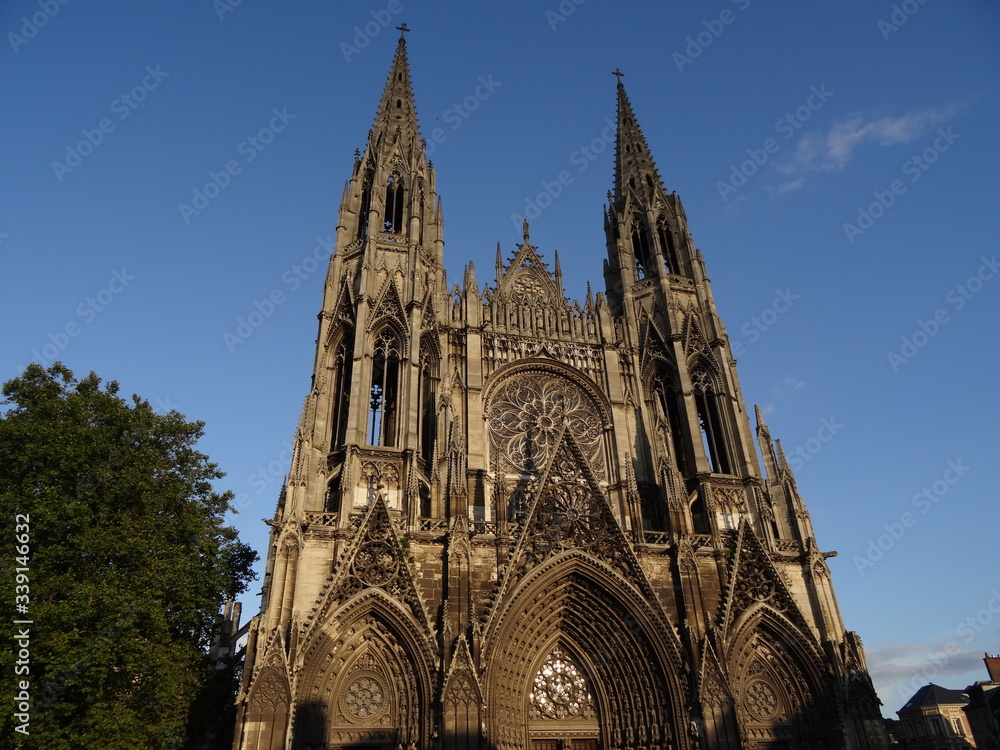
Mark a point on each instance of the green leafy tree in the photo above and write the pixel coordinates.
(129, 563)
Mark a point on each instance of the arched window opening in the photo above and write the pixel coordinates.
(652, 508)
(427, 414)
(709, 421)
(666, 394)
(425, 501)
(640, 247)
(330, 504)
(366, 205)
(666, 237)
(699, 518)
(649, 177)
(394, 201)
(420, 238)
(382, 396)
(343, 365)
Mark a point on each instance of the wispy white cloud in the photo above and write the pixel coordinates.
(832, 150)
(786, 187)
(899, 671)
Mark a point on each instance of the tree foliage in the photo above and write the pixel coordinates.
(129, 562)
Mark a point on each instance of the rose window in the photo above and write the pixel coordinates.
(375, 563)
(560, 691)
(365, 698)
(757, 584)
(760, 700)
(571, 513)
(527, 415)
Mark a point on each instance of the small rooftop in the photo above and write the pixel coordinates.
(935, 695)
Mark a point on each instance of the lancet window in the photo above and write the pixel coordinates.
(427, 415)
(640, 246)
(343, 364)
(366, 204)
(667, 401)
(395, 199)
(383, 394)
(710, 422)
(666, 237)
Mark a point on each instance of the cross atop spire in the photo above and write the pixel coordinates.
(617, 72)
(396, 119)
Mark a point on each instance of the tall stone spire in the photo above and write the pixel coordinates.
(397, 111)
(646, 228)
(634, 166)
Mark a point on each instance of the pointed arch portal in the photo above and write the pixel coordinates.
(613, 682)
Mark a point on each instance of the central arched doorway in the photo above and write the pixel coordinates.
(562, 714)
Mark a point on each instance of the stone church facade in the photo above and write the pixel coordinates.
(518, 521)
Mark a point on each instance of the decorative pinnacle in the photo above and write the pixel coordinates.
(403, 28)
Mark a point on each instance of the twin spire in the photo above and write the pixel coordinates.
(396, 119)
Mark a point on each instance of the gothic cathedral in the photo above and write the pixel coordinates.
(516, 521)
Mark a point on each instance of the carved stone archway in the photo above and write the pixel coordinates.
(367, 680)
(617, 641)
(781, 696)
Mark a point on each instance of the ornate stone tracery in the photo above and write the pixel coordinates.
(560, 691)
(528, 412)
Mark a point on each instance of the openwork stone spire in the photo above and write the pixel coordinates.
(634, 166)
(397, 110)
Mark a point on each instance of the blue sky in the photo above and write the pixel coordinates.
(837, 163)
